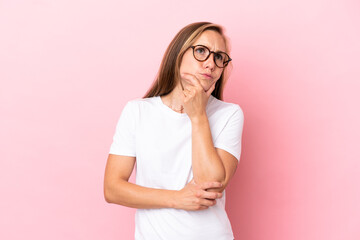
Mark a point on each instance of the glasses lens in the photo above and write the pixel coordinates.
(201, 53)
(220, 59)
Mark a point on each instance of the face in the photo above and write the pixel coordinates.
(215, 42)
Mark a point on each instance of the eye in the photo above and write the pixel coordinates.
(200, 50)
(218, 56)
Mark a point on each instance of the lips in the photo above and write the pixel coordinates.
(206, 75)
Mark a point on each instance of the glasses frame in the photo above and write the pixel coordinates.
(210, 52)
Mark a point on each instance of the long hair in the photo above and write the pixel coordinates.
(169, 71)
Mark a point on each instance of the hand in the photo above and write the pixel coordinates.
(195, 98)
(195, 197)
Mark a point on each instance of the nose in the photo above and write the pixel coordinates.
(209, 63)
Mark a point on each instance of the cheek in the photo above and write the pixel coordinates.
(218, 77)
(186, 62)
(220, 72)
(208, 85)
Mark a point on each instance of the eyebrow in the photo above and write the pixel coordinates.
(209, 47)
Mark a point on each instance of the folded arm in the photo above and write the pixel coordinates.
(209, 163)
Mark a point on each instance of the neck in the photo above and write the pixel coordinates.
(173, 99)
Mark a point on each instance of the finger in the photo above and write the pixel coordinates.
(200, 207)
(205, 202)
(186, 90)
(193, 79)
(186, 94)
(211, 195)
(189, 93)
(203, 207)
(210, 90)
(207, 185)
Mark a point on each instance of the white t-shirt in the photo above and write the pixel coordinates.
(160, 139)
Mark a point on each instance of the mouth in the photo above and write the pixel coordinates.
(207, 76)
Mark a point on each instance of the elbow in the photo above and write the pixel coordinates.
(215, 177)
(107, 199)
(220, 179)
(220, 176)
(107, 195)
(216, 189)
(211, 178)
(211, 174)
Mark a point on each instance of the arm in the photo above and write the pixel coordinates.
(118, 190)
(135, 196)
(119, 167)
(206, 163)
(210, 163)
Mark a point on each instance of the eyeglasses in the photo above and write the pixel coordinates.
(201, 53)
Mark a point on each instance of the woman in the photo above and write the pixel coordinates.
(185, 140)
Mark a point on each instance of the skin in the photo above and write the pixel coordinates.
(209, 164)
(212, 167)
(118, 190)
(190, 70)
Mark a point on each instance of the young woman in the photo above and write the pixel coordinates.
(185, 140)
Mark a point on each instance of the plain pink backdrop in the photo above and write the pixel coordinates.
(67, 68)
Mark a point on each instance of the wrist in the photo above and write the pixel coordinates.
(172, 199)
(199, 119)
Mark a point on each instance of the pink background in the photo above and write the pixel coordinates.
(67, 68)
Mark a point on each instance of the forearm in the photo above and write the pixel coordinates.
(206, 163)
(135, 196)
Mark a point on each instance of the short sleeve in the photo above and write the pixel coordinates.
(124, 137)
(229, 138)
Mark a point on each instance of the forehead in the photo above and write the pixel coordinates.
(212, 39)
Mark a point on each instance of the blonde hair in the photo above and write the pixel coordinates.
(169, 71)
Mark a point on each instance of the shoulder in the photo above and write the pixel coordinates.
(141, 102)
(225, 108)
(140, 107)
